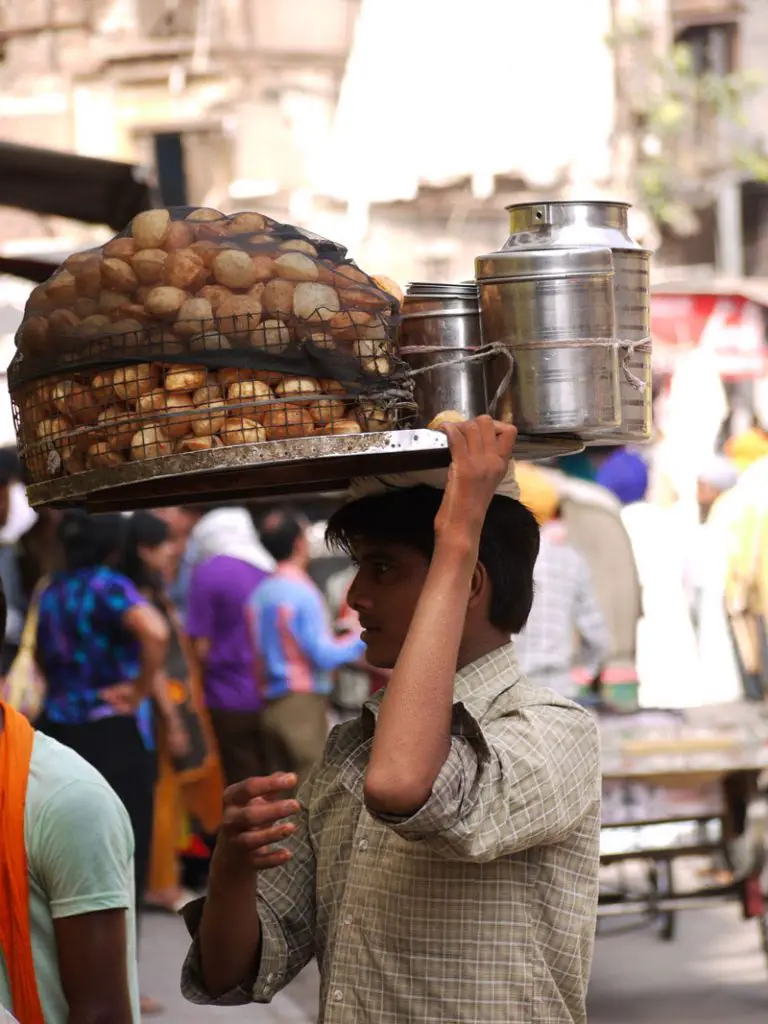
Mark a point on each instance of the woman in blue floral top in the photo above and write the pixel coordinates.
(100, 647)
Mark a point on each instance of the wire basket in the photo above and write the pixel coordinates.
(135, 411)
(196, 332)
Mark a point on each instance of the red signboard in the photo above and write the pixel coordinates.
(732, 326)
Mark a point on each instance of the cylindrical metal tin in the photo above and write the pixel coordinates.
(534, 226)
(444, 321)
(554, 310)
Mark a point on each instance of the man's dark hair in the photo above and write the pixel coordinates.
(509, 543)
(279, 532)
(88, 541)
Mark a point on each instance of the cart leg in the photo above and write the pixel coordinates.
(755, 907)
(665, 886)
(762, 924)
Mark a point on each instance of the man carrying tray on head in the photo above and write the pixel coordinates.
(442, 859)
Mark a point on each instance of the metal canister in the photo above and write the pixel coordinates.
(554, 310)
(534, 226)
(440, 324)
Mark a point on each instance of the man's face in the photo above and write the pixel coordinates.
(179, 520)
(384, 593)
(706, 495)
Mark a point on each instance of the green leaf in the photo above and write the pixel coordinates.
(753, 163)
(681, 58)
(670, 112)
(700, 123)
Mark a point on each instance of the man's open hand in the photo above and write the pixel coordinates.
(253, 823)
(480, 454)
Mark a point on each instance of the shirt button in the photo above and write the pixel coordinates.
(348, 921)
(363, 844)
(270, 978)
(338, 995)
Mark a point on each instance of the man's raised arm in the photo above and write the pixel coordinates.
(413, 732)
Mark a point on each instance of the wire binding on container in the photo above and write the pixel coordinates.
(629, 349)
(482, 353)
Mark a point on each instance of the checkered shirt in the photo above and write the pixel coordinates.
(479, 908)
(564, 604)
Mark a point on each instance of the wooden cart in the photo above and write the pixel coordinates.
(696, 792)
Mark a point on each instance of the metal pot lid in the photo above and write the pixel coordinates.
(571, 203)
(511, 264)
(570, 223)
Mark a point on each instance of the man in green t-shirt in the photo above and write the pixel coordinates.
(78, 844)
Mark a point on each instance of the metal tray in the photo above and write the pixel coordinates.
(298, 466)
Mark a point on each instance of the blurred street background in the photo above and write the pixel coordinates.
(402, 129)
(293, 107)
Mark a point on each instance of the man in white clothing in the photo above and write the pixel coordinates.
(565, 603)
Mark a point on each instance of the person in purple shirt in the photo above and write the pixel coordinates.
(229, 564)
(296, 650)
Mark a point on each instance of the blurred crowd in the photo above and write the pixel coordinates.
(245, 648)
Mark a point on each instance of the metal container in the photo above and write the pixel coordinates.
(554, 310)
(534, 226)
(440, 324)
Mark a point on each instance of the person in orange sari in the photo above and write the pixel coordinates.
(67, 932)
(189, 781)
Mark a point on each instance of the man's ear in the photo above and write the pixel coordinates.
(479, 588)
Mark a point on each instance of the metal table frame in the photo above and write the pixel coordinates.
(662, 901)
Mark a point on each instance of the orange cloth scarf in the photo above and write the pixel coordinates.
(16, 742)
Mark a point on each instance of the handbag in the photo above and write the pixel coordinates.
(24, 685)
(195, 761)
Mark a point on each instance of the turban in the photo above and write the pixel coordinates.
(537, 492)
(747, 448)
(626, 475)
(720, 473)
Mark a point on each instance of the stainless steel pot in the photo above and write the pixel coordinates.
(534, 226)
(554, 309)
(444, 317)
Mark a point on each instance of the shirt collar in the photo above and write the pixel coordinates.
(475, 689)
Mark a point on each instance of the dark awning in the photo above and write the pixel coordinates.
(77, 187)
(28, 269)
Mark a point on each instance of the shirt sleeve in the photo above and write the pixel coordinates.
(312, 632)
(286, 908)
(590, 622)
(527, 780)
(81, 850)
(119, 594)
(199, 612)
